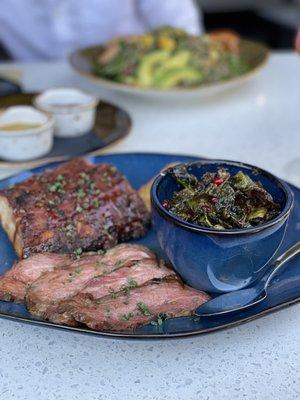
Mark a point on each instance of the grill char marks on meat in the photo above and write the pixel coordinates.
(45, 294)
(145, 303)
(75, 206)
(14, 282)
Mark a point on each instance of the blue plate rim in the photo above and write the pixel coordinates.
(155, 336)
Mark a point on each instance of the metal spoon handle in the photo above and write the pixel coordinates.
(281, 260)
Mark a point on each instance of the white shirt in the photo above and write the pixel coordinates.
(50, 29)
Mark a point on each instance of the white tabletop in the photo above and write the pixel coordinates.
(258, 123)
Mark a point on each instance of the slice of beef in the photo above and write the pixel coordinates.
(123, 279)
(12, 290)
(142, 305)
(77, 206)
(13, 283)
(52, 287)
(29, 269)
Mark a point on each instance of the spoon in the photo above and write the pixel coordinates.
(245, 298)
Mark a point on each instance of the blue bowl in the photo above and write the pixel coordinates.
(214, 260)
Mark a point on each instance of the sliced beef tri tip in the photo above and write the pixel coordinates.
(121, 280)
(73, 208)
(14, 282)
(45, 293)
(125, 279)
(119, 290)
(123, 312)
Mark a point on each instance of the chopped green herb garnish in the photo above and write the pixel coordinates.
(143, 308)
(100, 251)
(126, 317)
(60, 178)
(70, 229)
(85, 205)
(78, 252)
(160, 318)
(58, 185)
(80, 193)
(105, 178)
(84, 178)
(132, 283)
(119, 263)
(113, 294)
(79, 209)
(96, 203)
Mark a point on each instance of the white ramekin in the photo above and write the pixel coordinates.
(74, 110)
(25, 144)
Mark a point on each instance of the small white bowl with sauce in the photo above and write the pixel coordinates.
(74, 110)
(25, 133)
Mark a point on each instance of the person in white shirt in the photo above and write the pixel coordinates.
(50, 29)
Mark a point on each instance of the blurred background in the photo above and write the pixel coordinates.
(23, 23)
(273, 22)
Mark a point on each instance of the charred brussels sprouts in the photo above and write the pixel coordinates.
(219, 200)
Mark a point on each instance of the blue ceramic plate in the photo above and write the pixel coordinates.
(139, 168)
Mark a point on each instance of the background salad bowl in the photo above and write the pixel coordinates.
(254, 53)
(219, 260)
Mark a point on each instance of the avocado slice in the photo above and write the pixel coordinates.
(175, 76)
(148, 63)
(178, 59)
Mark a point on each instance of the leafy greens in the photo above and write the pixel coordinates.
(220, 200)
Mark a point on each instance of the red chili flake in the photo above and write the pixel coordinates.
(165, 204)
(218, 181)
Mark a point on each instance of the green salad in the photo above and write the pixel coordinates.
(220, 200)
(169, 57)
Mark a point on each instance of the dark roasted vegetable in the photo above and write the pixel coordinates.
(220, 201)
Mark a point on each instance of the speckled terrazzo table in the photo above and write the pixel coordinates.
(258, 123)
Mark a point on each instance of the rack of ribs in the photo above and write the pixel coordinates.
(73, 208)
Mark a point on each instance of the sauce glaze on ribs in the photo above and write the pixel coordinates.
(77, 206)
